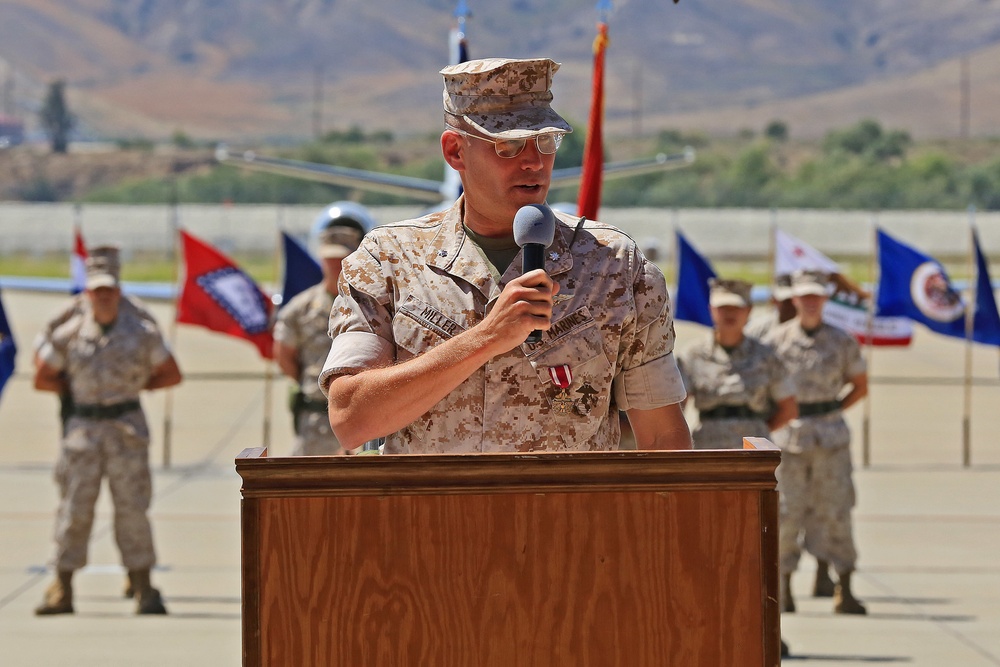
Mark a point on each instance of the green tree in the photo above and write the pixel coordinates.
(56, 118)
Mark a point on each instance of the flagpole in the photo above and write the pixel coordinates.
(168, 398)
(970, 315)
(866, 415)
(269, 363)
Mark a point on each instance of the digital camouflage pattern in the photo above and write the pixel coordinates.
(815, 501)
(821, 364)
(414, 284)
(503, 97)
(815, 475)
(104, 369)
(302, 324)
(749, 375)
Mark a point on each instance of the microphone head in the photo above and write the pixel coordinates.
(534, 223)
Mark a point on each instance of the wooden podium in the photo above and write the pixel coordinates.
(625, 558)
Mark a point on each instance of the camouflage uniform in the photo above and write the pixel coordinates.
(814, 478)
(302, 324)
(751, 375)
(759, 327)
(104, 369)
(416, 283)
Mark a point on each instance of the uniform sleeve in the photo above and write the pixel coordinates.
(285, 330)
(159, 351)
(649, 377)
(361, 320)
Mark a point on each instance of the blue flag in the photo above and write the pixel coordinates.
(693, 274)
(301, 270)
(7, 349)
(915, 285)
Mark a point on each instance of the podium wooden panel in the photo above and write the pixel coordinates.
(597, 558)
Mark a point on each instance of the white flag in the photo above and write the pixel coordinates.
(848, 305)
(791, 254)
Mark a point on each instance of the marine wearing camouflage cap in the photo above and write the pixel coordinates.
(503, 97)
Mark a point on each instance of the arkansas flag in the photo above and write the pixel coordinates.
(915, 285)
(219, 296)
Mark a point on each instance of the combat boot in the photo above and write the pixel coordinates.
(844, 601)
(58, 596)
(148, 600)
(823, 586)
(787, 601)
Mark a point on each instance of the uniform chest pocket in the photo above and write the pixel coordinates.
(418, 326)
(578, 345)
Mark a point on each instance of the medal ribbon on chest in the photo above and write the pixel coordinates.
(562, 377)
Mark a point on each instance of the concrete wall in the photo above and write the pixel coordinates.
(718, 233)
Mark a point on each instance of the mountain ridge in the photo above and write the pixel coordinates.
(253, 70)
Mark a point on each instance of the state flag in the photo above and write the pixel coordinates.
(8, 349)
(220, 296)
(915, 285)
(302, 271)
(693, 274)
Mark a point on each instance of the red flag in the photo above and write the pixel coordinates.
(78, 262)
(218, 295)
(589, 200)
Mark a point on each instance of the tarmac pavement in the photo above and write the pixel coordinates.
(927, 528)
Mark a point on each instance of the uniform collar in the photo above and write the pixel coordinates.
(453, 251)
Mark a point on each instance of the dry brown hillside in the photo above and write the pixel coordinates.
(249, 70)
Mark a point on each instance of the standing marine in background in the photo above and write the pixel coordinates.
(301, 338)
(815, 476)
(102, 357)
(733, 379)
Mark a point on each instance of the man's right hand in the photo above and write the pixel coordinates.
(524, 305)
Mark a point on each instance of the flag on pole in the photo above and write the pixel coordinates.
(693, 274)
(589, 199)
(301, 270)
(8, 349)
(78, 262)
(218, 295)
(987, 318)
(791, 254)
(848, 305)
(915, 285)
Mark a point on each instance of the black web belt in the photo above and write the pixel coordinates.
(818, 408)
(112, 411)
(730, 412)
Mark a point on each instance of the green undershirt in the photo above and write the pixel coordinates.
(498, 252)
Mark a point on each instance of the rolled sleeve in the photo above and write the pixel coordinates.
(650, 386)
(352, 352)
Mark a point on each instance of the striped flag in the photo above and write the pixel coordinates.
(78, 262)
(849, 304)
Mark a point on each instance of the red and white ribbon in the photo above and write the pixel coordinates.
(562, 376)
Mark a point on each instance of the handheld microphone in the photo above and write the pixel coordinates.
(534, 229)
